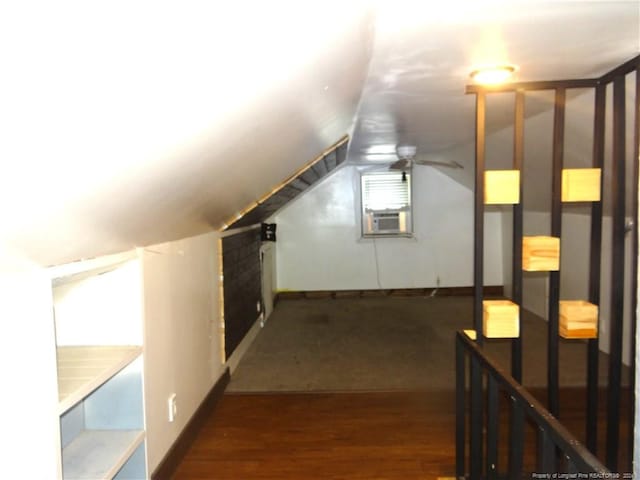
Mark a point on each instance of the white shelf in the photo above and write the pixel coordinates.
(83, 369)
(99, 454)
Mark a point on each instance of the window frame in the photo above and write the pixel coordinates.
(407, 232)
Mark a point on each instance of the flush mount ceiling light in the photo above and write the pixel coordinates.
(492, 75)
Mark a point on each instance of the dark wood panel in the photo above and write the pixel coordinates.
(531, 86)
(242, 285)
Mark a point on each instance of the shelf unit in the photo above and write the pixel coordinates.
(98, 320)
(572, 185)
(83, 369)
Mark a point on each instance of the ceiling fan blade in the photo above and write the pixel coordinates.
(452, 164)
(401, 164)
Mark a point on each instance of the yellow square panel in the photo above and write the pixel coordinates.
(540, 254)
(581, 185)
(501, 187)
(500, 319)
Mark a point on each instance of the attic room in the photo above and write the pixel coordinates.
(254, 240)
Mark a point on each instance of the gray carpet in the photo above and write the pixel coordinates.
(384, 343)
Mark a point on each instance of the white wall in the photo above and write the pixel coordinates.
(319, 245)
(182, 342)
(112, 300)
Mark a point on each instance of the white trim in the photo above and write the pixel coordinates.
(245, 343)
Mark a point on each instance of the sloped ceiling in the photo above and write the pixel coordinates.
(131, 123)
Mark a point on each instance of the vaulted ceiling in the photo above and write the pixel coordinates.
(127, 124)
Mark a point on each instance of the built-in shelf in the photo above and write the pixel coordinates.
(99, 454)
(83, 369)
(98, 314)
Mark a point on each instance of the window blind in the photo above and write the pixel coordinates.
(382, 191)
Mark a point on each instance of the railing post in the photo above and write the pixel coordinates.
(518, 215)
(617, 273)
(595, 260)
(460, 408)
(556, 231)
(492, 428)
(478, 218)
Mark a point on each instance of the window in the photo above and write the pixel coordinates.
(386, 204)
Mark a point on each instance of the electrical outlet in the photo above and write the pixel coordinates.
(258, 307)
(173, 407)
(438, 281)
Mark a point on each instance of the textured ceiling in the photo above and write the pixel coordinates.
(128, 124)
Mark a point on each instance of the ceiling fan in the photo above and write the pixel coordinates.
(407, 158)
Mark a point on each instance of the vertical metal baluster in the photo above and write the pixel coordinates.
(476, 420)
(546, 453)
(461, 395)
(516, 440)
(569, 466)
(492, 428)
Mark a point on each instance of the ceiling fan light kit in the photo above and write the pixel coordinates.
(406, 151)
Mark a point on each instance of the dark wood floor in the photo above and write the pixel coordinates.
(378, 435)
(325, 436)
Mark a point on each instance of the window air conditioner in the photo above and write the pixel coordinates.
(381, 222)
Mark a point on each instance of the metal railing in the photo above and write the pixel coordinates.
(557, 450)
